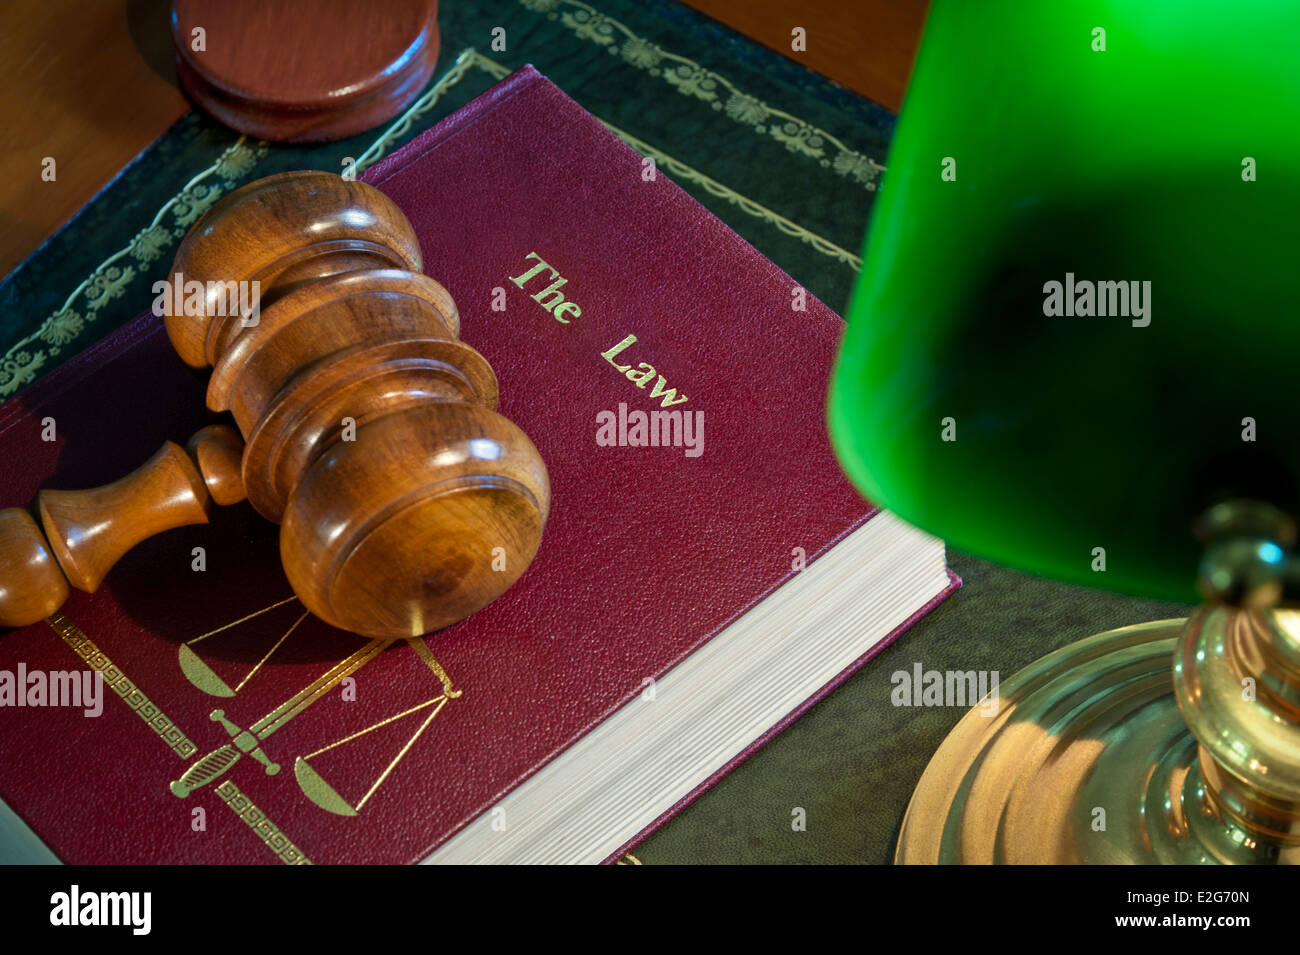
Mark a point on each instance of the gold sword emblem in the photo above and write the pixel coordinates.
(220, 760)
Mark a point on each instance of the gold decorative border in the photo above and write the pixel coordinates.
(713, 187)
(145, 708)
(262, 826)
(22, 361)
(682, 171)
(691, 79)
(498, 70)
(455, 73)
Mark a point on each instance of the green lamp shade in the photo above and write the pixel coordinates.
(976, 402)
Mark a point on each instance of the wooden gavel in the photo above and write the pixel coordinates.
(405, 502)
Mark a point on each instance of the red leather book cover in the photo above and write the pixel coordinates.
(592, 287)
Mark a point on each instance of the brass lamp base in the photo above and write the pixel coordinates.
(1093, 756)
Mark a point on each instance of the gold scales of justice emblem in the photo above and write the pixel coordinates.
(248, 741)
(367, 430)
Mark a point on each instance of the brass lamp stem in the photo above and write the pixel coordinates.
(1237, 682)
(1096, 756)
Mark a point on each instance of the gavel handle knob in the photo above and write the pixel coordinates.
(82, 534)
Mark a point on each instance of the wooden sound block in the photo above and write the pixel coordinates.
(304, 70)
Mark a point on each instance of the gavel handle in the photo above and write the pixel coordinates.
(83, 533)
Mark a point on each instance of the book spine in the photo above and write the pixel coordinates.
(954, 582)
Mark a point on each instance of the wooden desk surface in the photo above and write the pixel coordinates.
(92, 84)
(865, 45)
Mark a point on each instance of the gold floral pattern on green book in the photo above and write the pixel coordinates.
(467, 58)
(25, 359)
(681, 171)
(110, 279)
(691, 79)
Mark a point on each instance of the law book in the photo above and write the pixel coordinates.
(706, 575)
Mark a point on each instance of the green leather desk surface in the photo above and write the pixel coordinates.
(783, 156)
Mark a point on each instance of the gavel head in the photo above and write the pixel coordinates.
(406, 502)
